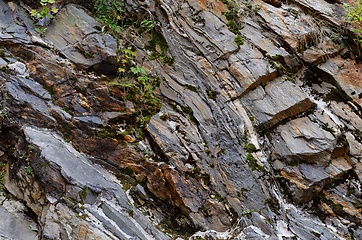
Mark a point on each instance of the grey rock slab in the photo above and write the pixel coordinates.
(218, 33)
(304, 140)
(306, 227)
(124, 223)
(3, 62)
(254, 33)
(346, 114)
(249, 67)
(19, 89)
(280, 99)
(90, 119)
(77, 170)
(355, 147)
(19, 68)
(75, 34)
(74, 165)
(11, 29)
(292, 28)
(15, 228)
(330, 11)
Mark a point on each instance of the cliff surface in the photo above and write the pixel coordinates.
(237, 120)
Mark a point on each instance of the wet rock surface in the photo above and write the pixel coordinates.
(256, 140)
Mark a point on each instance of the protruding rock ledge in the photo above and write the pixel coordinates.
(277, 101)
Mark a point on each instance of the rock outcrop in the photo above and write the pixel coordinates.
(259, 133)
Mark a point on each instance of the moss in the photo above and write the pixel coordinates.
(350, 191)
(198, 19)
(295, 162)
(239, 40)
(357, 204)
(2, 175)
(336, 94)
(250, 148)
(253, 164)
(196, 171)
(130, 212)
(188, 110)
(167, 60)
(212, 94)
(246, 213)
(338, 209)
(252, 118)
(164, 117)
(158, 47)
(125, 184)
(83, 194)
(273, 204)
(232, 16)
(105, 133)
(206, 179)
(191, 88)
(66, 129)
(290, 79)
(220, 198)
(128, 171)
(222, 151)
(6, 69)
(29, 170)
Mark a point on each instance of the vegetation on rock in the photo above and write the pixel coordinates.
(136, 82)
(44, 16)
(354, 17)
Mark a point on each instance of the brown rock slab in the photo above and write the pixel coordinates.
(347, 74)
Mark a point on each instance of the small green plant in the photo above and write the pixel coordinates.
(198, 19)
(212, 94)
(83, 194)
(139, 87)
(28, 170)
(234, 16)
(253, 164)
(158, 47)
(147, 25)
(354, 17)
(111, 13)
(250, 148)
(239, 40)
(44, 16)
(247, 213)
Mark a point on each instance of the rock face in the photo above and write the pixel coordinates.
(256, 138)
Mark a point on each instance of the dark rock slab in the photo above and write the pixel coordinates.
(12, 29)
(75, 34)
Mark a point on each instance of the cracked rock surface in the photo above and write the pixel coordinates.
(260, 140)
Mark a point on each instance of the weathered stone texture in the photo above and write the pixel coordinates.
(245, 136)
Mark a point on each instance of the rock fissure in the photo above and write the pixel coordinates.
(290, 88)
